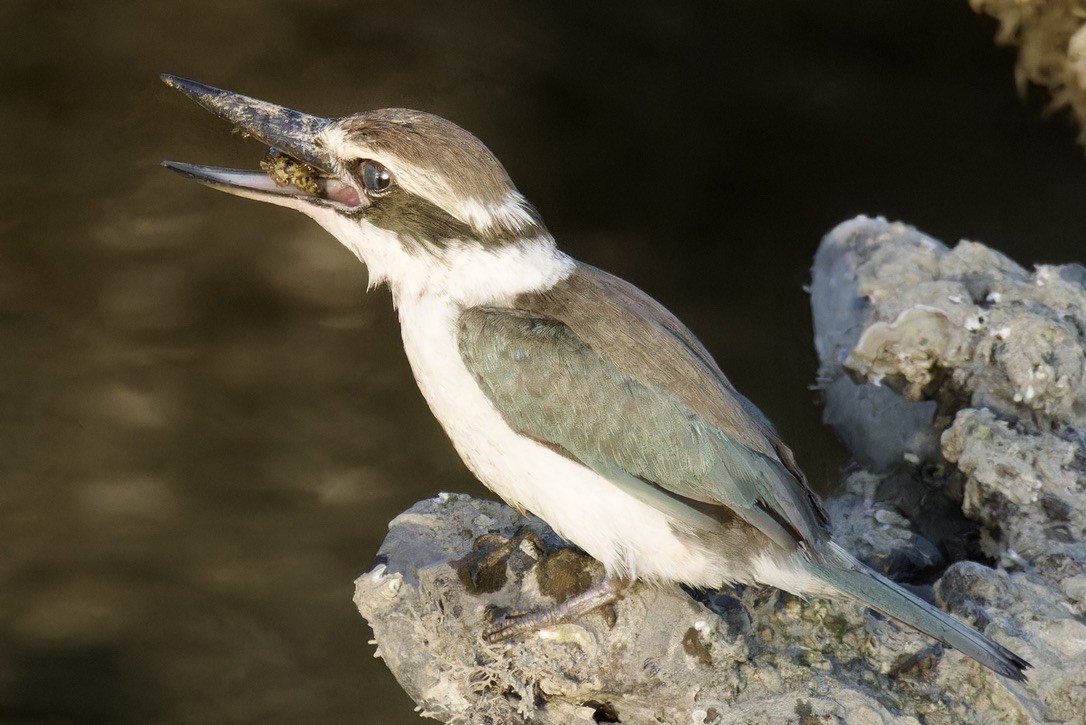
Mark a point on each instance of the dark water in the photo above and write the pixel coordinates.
(205, 423)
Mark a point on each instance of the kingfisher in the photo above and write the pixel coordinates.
(567, 391)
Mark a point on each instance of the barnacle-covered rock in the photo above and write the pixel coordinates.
(668, 656)
(1027, 487)
(941, 329)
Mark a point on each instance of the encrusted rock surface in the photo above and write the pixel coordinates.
(957, 379)
(972, 370)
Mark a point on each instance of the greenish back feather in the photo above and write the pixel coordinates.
(624, 406)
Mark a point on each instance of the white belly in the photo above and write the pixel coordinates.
(627, 535)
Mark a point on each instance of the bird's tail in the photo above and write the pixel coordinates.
(843, 572)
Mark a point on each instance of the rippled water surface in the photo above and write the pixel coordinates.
(205, 422)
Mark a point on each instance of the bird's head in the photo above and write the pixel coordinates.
(422, 202)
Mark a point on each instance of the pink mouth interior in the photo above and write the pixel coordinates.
(337, 191)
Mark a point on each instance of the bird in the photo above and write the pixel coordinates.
(567, 391)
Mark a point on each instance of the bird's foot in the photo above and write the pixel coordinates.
(510, 625)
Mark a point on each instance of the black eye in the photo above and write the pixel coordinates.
(375, 177)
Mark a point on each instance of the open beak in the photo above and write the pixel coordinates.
(297, 171)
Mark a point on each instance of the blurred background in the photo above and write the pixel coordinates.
(205, 422)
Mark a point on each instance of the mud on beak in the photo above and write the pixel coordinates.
(297, 171)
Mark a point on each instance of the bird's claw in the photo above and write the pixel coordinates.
(504, 625)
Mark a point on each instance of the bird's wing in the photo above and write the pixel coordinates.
(599, 371)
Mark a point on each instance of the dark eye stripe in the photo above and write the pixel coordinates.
(415, 217)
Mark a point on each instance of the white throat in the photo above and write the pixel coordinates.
(461, 273)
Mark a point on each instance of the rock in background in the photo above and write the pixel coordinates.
(958, 381)
(1051, 40)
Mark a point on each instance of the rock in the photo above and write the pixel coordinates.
(1026, 487)
(751, 655)
(950, 327)
(877, 533)
(880, 427)
(956, 378)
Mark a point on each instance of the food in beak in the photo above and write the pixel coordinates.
(288, 171)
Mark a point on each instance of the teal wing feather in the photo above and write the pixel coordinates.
(645, 436)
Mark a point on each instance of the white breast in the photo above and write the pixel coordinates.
(628, 536)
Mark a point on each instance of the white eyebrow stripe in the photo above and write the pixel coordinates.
(511, 212)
